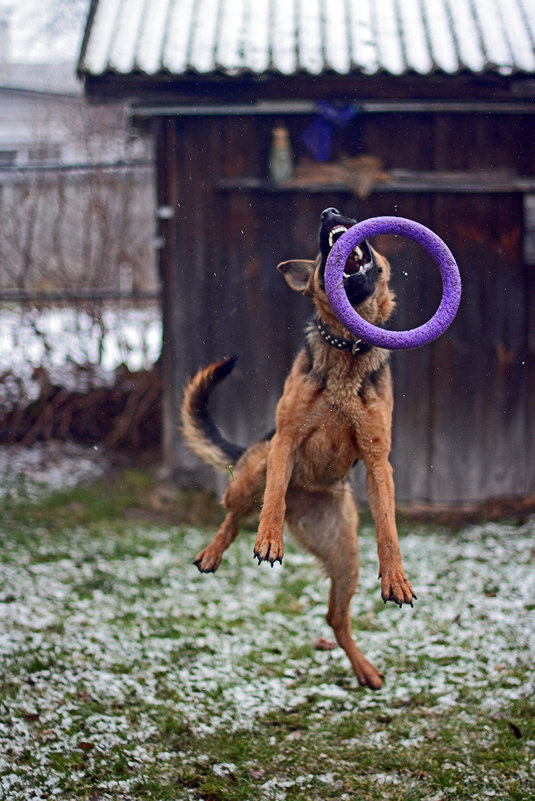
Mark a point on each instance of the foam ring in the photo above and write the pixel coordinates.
(439, 252)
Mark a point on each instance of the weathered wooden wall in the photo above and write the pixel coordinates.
(464, 414)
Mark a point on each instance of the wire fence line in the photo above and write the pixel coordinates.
(92, 293)
(84, 166)
(78, 226)
(79, 304)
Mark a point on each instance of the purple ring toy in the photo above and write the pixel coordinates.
(439, 252)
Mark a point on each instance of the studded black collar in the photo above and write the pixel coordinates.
(354, 346)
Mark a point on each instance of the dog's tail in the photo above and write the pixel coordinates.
(199, 430)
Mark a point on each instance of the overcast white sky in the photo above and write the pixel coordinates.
(44, 31)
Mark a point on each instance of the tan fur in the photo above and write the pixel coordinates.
(335, 408)
(193, 434)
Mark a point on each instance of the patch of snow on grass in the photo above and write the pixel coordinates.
(46, 466)
(145, 631)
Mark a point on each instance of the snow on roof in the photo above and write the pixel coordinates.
(286, 37)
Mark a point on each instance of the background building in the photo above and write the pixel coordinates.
(441, 97)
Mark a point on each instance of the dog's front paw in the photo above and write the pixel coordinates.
(396, 587)
(268, 547)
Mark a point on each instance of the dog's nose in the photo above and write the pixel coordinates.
(330, 212)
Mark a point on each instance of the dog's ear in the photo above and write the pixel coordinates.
(297, 273)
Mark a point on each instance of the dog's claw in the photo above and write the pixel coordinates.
(267, 558)
(395, 587)
(269, 550)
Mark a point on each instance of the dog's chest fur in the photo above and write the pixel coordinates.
(345, 378)
(337, 388)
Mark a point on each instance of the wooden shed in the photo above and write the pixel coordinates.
(422, 109)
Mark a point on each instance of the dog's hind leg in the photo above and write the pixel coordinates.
(242, 499)
(209, 559)
(326, 524)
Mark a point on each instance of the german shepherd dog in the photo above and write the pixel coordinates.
(336, 408)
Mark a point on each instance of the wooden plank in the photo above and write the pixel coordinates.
(417, 285)
(410, 181)
(236, 309)
(166, 196)
(383, 136)
(188, 293)
(480, 427)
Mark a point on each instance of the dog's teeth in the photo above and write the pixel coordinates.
(338, 229)
(346, 275)
(359, 253)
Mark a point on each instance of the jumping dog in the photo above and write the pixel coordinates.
(336, 408)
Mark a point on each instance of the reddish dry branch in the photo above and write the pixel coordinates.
(123, 416)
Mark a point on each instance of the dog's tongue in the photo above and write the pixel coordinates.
(354, 262)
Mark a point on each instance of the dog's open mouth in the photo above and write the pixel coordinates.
(359, 257)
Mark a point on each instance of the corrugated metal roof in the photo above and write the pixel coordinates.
(286, 37)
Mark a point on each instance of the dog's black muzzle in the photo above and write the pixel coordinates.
(360, 270)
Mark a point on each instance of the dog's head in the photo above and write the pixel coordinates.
(366, 273)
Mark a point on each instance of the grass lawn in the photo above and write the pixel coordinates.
(125, 674)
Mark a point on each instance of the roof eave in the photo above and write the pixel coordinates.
(195, 86)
